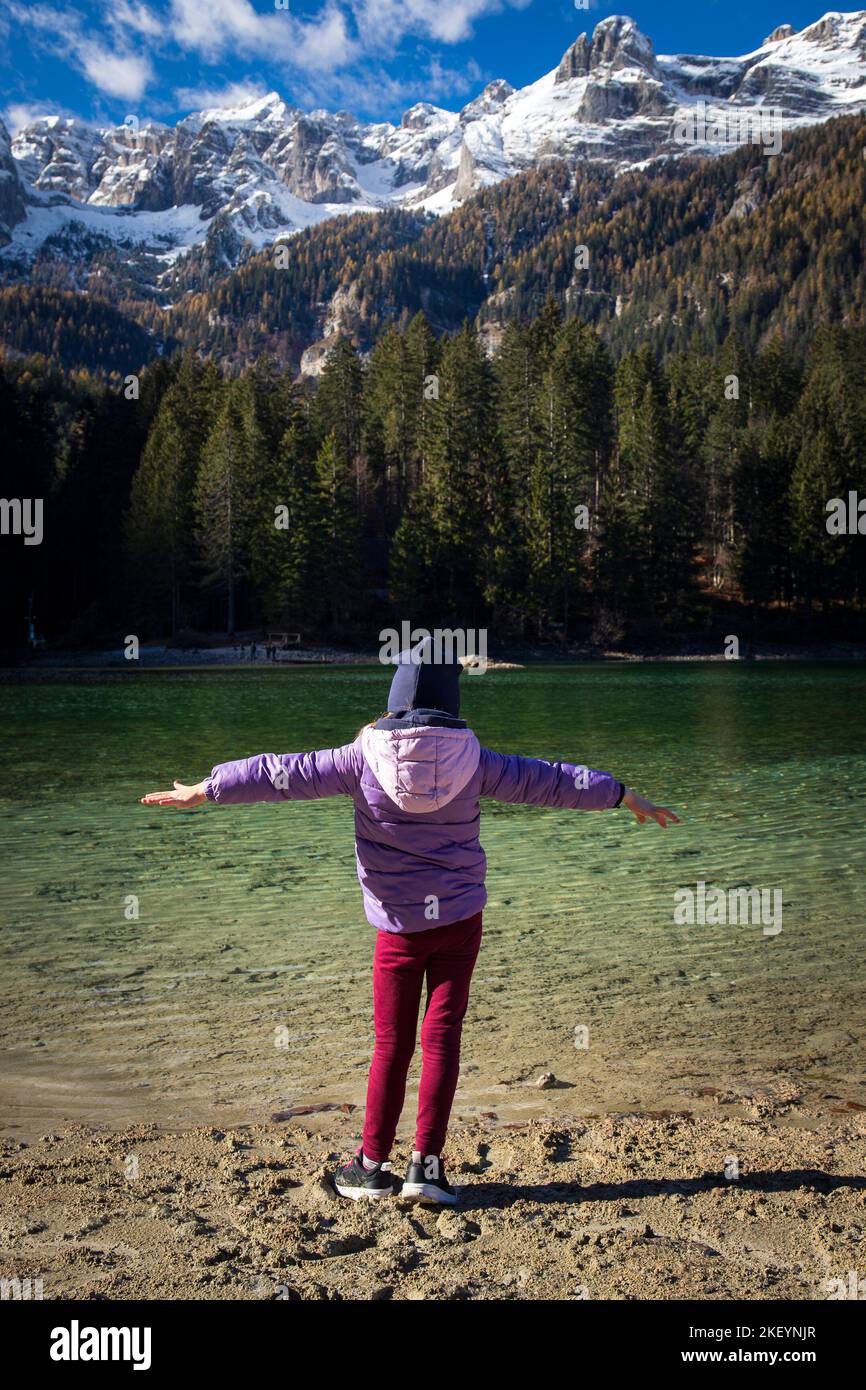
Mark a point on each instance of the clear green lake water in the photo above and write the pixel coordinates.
(244, 985)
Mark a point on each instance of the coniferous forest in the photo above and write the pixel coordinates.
(548, 491)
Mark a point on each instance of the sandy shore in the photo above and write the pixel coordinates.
(167, 658)
(615, 1207)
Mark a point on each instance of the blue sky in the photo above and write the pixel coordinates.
(159, 59)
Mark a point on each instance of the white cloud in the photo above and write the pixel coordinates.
(233, 94)
(326, 44)
(378, 92)
(442, 79)
(19, 114)
(115, 74)
(132, 18)
(383, 22)
(116, 71)
(45, 19)
(216, 26)
(339, 54)
(219, 28)
(375, 91)
(449, 21)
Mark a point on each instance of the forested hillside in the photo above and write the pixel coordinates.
(551, 491)
(74, 330)
(745, 244)
(677, 255)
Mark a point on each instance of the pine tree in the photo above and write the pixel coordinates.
(340, 556)
(160, 523)
(299, 578)
(222, 497)
(574, 411)
(423, 354)
(518, 382)
(337, 407)
(270, 408)
(762, 483)
(831, 424)
(459, 431)
(646, 555)
(392, 400)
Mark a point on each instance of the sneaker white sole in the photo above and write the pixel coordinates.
(427, 1192)
(357, 1193)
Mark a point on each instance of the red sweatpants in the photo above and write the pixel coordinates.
(446, 956)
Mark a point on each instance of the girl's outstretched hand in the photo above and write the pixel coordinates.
(182, 798)
(645, 810)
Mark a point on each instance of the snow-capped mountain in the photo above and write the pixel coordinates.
(232, 180)
(12, 197)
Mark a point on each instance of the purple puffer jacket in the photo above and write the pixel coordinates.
(416, 793)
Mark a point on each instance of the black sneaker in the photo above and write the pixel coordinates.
(425, 1181)
(355, 1181)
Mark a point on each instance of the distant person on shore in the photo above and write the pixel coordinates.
(416, 776)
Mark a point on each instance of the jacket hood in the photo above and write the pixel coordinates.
(421, 768)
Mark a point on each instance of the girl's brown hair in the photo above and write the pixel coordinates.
(386, 715)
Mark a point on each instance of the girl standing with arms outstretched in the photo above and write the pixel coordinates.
(416, 777)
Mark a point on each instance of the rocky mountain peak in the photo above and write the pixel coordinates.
(420, 116)
(616, 43)
(782, 31)
(270, 107)
(837, 30)
(494, 94)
